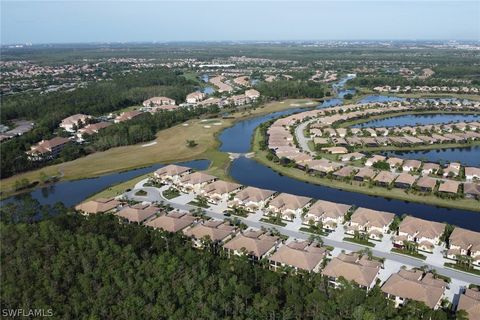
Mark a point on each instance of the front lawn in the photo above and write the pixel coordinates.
(273, 220)
(409, 253)
(462, 268)
(314, 230)
(199, 204)
(170, 193)
(363, 242)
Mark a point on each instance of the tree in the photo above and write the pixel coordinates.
(191, 143)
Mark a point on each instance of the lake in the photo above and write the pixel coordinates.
(468, 156)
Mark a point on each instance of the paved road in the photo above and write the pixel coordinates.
(155, 195)
(302, 140)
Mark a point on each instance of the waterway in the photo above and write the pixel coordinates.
(73, 192)
(468, 156)
(418, 119)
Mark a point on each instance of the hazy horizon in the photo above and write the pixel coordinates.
(70, 22)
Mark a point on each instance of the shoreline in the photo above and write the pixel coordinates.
(260, 156)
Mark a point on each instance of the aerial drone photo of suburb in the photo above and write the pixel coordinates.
(240, 159)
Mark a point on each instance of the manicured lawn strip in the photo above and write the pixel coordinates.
(394, 193)
(313, 231)
(421, 147)
(457, 267)
(359, 241)
(198, 204)
(408, 253)
(141, 193)
(170, 193)
(272, 221)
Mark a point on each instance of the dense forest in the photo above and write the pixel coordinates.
(282, 89)
(97, 268)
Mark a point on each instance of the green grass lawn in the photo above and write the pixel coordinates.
(314, 231)
(273, 221)
(362, 242)
(462, 268)
(408, 253)
(198, 204)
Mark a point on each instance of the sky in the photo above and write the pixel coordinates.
(162, 21)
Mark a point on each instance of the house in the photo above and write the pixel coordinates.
(288, 206)
(452, 170)
(251, 198)
(165, 107)
(404, 180)
(194, 182)
(370, 222)
(322, 166)
(158, 101)
(138, 213)
(411, 165)
(471, 190)
(252, 94)
(335, 150)
(376, 158)
(364, 174)
(47, 149)
(470, 302)
(238, 100)
(299, 255)
(173, 221)
(430, 168)
(255, 244)
(415, 285)
(465, 243)
(92, 128)
(426, 184)
(472, 173)
(219, 190)
(73, 123)
(352, 156)
(449, 187)
(426, 234)
(171, 173)
(330, 214)
(127, 115)
(352, 267)
(394, 162)
(195, 97)
(216, 231)
(385, 178)
(345, 172)
(100, 205)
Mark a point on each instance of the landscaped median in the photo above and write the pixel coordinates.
(393, 193)
(409, 253)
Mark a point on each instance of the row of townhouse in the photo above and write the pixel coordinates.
(373, 224)
(424, 89)
(389, 131)
(296, 255)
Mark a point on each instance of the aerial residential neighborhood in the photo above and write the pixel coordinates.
(233, 160)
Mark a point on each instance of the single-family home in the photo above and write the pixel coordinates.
(127, 115)
(465, 243)
(255, 244)
(370, 222)
(100, 205)
(138, 213)
(374, 159)
(449, 187)
(385, 178)
(470, 302)
(158, 101)
(171, 173)
(216, 231)
(330, 214)
(352, 267)
(195, 97)
(173, 221)
(430, 168)
(219, 190)
(299, 255)
(411, 165)
(472, 173)
(195, 181)
(251, 199)
(426, 184)
(426, 234)
(404, 180)
(75, 122)
(364, 174)
(288, 206)
(471, 190)
(415, 285)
